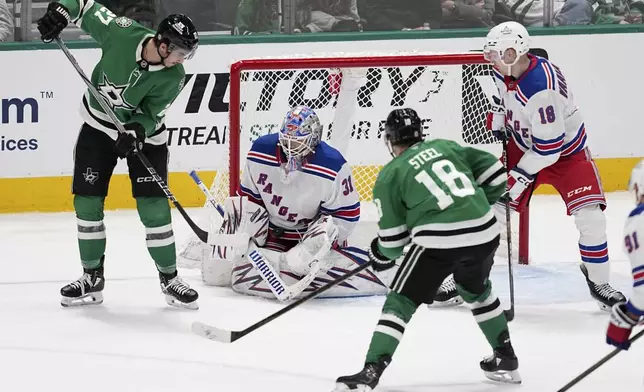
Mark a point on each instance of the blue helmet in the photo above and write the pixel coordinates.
(300, 134)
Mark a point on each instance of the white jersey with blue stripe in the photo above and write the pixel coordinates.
(540, 109)
(323, 186)
(633, 230)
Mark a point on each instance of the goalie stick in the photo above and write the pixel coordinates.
(281, 290)
(229, 336)
(202, 234)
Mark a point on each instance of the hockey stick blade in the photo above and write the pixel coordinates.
(227, 336)
(212, 333)
(602, 361)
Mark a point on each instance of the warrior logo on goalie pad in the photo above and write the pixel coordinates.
(260, 264)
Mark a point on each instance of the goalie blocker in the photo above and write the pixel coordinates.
(236, 257)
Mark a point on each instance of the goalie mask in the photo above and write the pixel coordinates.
(300, 134)
(636, 182)
(402, 128)
(507, 35)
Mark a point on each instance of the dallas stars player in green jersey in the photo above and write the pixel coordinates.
(139, 75)
(437, 195)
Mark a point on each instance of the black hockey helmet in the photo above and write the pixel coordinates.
(402, 128)
(179, 33)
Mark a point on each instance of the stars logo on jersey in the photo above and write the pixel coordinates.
(113, 94)
(122, 21)
(90, 176)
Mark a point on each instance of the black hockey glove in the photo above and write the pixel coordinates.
(379, 262)
(127, 142)
(53, 22)
(495, 121)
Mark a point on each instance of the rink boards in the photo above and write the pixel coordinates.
(39, 117)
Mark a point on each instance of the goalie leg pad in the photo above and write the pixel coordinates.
(366, 283)
(247, 274)
(215, 271)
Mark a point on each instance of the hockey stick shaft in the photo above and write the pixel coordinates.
(236, 335)
(202, 234)
(509, 314)
(209, 197)
(598, 364)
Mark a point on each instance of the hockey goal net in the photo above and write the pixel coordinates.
(353, 95)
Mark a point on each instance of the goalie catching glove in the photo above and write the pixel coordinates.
(379, 262)
(320, 237)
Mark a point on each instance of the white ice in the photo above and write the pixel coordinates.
(135, 342)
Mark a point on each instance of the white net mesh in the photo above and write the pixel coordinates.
(353, 103)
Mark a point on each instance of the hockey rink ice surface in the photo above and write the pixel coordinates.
(135, 342)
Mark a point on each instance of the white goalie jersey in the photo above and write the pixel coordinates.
(633, 228)
(322, 186)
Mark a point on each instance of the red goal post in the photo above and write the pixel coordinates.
(352, 94)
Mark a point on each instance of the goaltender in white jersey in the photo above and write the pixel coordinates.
(286, 233)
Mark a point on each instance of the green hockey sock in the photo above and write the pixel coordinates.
(488, 313)
(91, 230)
(396, 313)
(159, 238)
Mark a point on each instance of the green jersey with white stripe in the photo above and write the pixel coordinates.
(135, 90)
(438, 194)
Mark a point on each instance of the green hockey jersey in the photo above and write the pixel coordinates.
(438, 194)
(135, 90)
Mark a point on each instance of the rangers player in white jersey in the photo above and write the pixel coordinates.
(547, 145)
(626, 315)
(296, 208)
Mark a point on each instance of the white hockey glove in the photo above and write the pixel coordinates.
(518, 182)
(318, 240)
(495, 120)
(379, 262)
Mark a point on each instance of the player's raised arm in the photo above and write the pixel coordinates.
(94, 18)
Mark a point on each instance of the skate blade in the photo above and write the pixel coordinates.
(87, 299)
(340, 387)
(172, 301)
(506, 377)
(603, 306)
(456, 301)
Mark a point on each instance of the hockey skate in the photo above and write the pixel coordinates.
(177, 293)
(366, 380)
(447, 296)
(86, 290)
(605, 295)
(502, 366)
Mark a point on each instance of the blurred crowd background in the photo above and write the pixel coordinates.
(244, 17)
